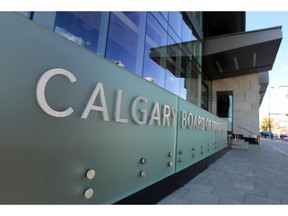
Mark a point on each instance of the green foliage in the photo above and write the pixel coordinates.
(265, 124)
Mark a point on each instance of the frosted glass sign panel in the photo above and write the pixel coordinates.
(193, 136)
(199, 133)
(78, 128)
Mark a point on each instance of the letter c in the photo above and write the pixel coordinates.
(40, 91)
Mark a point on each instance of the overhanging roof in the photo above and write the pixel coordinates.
(263, 83)
(241, 53)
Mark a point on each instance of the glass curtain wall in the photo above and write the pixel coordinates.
(161, 47)
(155, 59)
(125, 43)
(86, 29)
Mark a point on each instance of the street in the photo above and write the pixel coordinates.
(280, 145)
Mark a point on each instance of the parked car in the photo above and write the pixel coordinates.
(283, 136)
(266, 134)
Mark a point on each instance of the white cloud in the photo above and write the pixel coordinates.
(284, 68)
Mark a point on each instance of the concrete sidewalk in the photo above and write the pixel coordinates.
(258, 175)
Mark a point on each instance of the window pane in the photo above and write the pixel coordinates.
(204, 97)
(199, 17)
(164, 14)
(187, 33)
(192, 83)
(159, 17)
(155, 52)
(173, 72)
(79, 27)
(175, 21)
(126, 39)
(225, 108)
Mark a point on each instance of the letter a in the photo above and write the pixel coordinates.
(90, 105)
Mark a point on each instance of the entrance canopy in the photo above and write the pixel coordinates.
(241, 53)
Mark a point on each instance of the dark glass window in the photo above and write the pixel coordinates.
(206, 94)
(125, 45)
(204, 97)
(155, 52)
(80, 27)
(225, 108)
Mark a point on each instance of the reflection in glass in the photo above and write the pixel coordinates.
(192, 83)
(159, 46)
(175, 21)
(80, 27)
(126, 40)
(199, 18)
(164, 14)
(187, 34)
(155, 59)
(159, 16)
(173, 65)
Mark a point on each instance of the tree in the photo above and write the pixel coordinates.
(265, 124)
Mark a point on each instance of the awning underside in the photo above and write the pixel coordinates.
(240, 54)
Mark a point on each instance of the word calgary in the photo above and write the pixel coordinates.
(141, 110)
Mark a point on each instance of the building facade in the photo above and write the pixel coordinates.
(111, 107)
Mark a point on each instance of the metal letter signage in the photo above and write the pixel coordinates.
(40, 91)
(188, 121)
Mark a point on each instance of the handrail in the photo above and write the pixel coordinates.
(246, 130)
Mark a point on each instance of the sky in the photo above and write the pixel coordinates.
(275, 98)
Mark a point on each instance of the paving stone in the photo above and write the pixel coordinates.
(255, 191)
(281, 182)
(282, 197)
(233, 194)
(240, 177)
(201, 197)
(253, 199)
(228, 200)
(235, 176)
(239, 183)
(222, 183)
(200, 180)
(213, 173)
(180, 192)
(199, 187)
(194, 202)
(276, 188)
(174, 200)
(263, 183)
